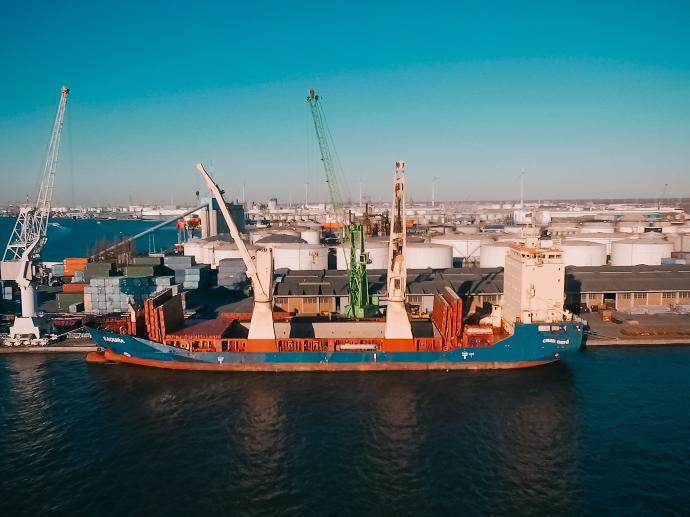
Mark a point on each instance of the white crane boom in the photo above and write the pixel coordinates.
(259, 269)
(32, 224)
(397, 321)
(23, 251)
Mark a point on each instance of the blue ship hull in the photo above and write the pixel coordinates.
(530, 345)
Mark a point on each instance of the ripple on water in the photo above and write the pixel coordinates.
(608, 432)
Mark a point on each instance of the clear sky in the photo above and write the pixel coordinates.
(592, 99)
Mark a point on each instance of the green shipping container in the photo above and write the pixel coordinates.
(64, 300)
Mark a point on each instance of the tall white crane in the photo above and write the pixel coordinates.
(397, 321)
(23, 250)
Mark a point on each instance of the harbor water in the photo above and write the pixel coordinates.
(606, 433)
(76, 238)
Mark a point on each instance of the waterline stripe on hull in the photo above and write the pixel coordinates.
(322, 367)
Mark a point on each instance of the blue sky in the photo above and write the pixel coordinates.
(592, 99)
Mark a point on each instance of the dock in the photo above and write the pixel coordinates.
(80, 346)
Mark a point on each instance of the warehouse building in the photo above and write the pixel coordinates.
(625, 288)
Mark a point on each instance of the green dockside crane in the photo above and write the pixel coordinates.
(361, 303)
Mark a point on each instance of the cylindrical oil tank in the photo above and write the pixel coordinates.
(256, 235)
(300, 256)
(311, 236)
(584, 253)
(227, 250)
(463, 246)
(378, 256)
(275, 236)
(494, 254)
(428, 255)
(602, 238)
(649, 250)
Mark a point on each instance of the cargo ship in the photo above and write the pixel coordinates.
(529, 328)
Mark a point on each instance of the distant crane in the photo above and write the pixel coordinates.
(663, 196)
(323, 138)
(23, 251)
(360, 301)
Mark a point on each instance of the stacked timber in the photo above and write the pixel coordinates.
(232, 274)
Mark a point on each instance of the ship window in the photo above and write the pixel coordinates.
(684, 295)
(625, 296)
(281, 301)
(640, 296)
(669, 296)
(311, 299)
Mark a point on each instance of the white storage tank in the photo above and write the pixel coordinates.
(377, 251)
(428, 255)
(300, 256)
(649, 249)
(463, 246)
(311, 236)
(584, 253)
(275, 236)
(494, 254)
(227, 250)
(602, 238)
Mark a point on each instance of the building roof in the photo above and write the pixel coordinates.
(590, 279)
(489, 281)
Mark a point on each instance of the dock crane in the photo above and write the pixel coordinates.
(322, 136)
(259, 270)
(662, 197)
(20, 261)
(360, 302)
(397, 321)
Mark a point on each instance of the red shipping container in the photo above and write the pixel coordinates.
(73, 288)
